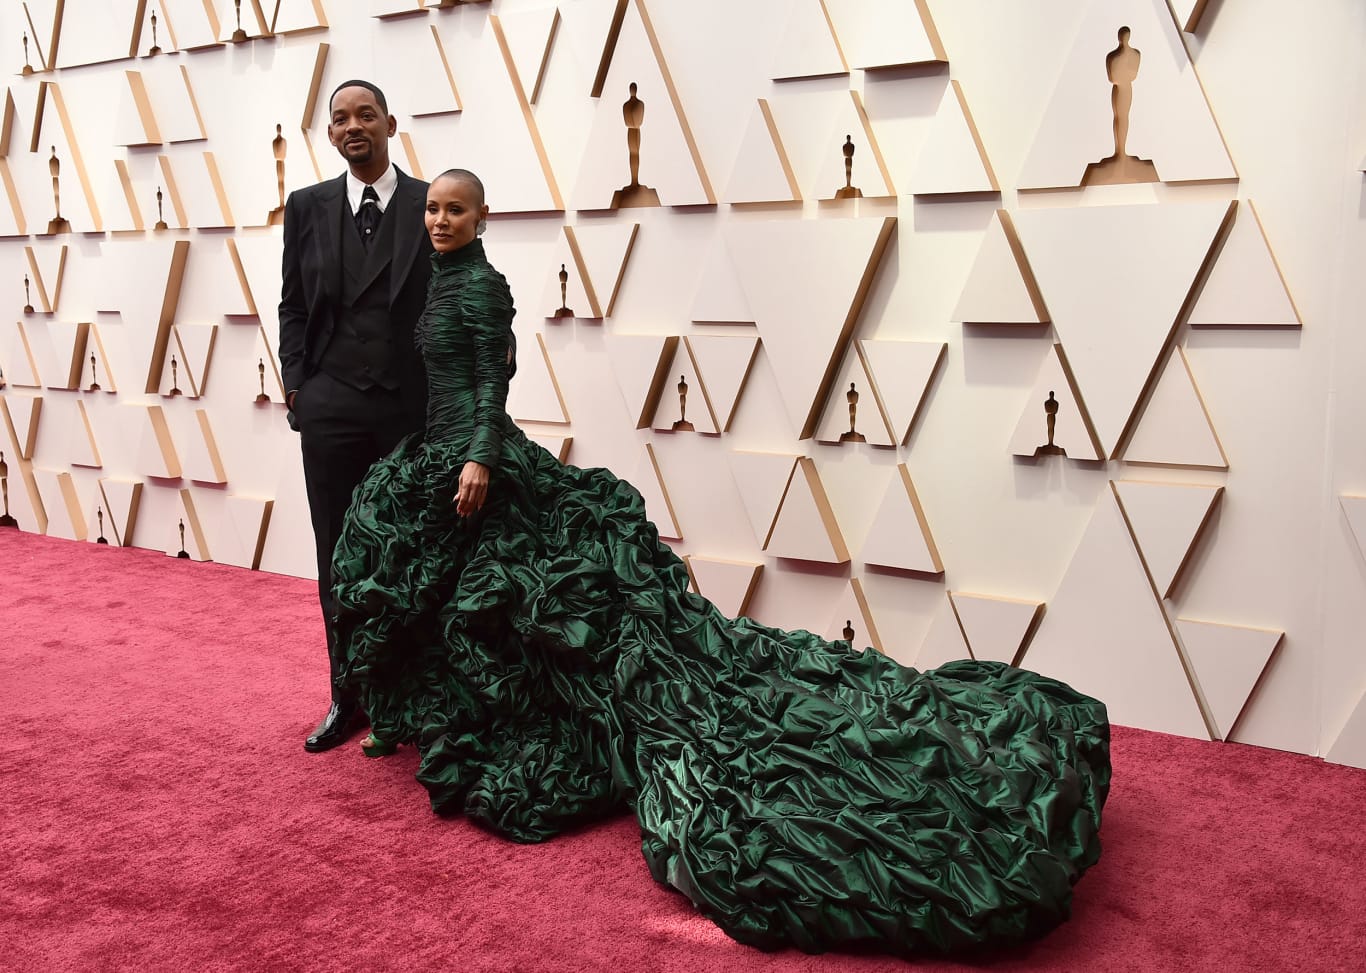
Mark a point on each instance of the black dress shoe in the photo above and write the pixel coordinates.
(339, 725)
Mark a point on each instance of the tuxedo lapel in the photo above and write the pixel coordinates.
(333, 210)
(407, 207)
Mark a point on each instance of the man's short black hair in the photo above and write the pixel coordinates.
(357, 83)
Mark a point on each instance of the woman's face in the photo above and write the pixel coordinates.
(453, 213)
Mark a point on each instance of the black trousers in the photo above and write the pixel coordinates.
(342, 431)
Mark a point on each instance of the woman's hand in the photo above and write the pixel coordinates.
(473, 489)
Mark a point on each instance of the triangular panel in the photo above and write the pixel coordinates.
(996, 629)
(944, 641)
(121, 500)
(658, 506)
(805, 527)
(669, 163)
(47, 264)
(953, 159)
(762, 479)
(102, 32)
(535, 393)
(602, 251)
(81, 447)
(1166, 519)
(853, 413)
(233, 15)
(530, 36)
(62, 502)
(98, 375)
(900, 372)
(1055, 396)
(852, 156)
(684, 405)
(723, 363)
(1168, 122)
(557, 446)
(1245, 287)
(852, 620)
(184, 537)
(157, 455)
(1349, 747)
(1355, 510)
(22, 413)
(763, 172)
(1139, 264)
(640, 364)
(1188, 13)
(1175, 429)
(885, 33)
(808, 48)
(202, 461)
(195, 343)
(244, 538)
(17, 358)
(269, 383)
(806, 281)
(1228, 660)
(297, 16)
(900, 535)
(1105, 634)
(69, 343)
(720, 296)
(1001, 288)
(434, 88)
(728, 585)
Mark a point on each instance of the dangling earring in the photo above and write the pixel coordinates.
(483, 225)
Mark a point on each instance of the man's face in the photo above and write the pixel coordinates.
(359, 128)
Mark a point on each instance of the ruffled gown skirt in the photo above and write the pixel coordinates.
(550, 664)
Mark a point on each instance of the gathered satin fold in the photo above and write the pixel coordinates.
(551, 665)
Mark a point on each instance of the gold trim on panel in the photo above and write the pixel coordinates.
(194, 102)
(173, 191)
(1205, 714)
(92, 203)
(170, 301)
(872, 142)
(211, 164)
(793, 187)
(12, 191)
(834, 36)
(151, 134)
(314, 87)
(527, 115)
(837, 350)
(6, 123)
(1183, 315)
(129, 194)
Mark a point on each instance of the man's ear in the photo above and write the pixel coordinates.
(393, 125)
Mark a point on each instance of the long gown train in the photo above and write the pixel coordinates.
(549, 662)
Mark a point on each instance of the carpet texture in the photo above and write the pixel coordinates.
(158, 812)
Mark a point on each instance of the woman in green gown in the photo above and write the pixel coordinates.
(521, 623)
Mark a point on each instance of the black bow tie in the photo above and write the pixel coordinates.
(367, 217)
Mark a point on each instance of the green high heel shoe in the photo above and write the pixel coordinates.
(373, 746)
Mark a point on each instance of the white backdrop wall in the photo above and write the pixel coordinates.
(1152, 290)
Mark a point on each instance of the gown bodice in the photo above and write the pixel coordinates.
(465, 336)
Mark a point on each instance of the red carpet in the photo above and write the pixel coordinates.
(157, 812)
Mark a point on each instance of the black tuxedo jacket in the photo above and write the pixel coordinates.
(311, 279)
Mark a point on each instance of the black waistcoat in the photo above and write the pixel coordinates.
(360, 351)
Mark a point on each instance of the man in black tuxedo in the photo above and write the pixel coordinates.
(354, 278)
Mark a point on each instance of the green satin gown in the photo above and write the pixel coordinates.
(550, 664)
